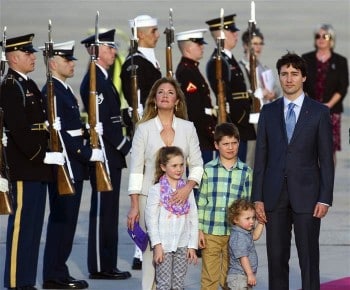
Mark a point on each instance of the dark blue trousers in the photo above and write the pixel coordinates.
(24, 233)
(62, 222)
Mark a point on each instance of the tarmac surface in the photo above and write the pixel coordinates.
(287, 25)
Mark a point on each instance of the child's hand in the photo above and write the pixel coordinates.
(191, 256)
(201, 240)
(251, 279)
(158, 254)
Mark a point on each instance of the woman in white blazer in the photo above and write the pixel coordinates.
(164, 123)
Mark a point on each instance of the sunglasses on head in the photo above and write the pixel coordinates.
(324, 36)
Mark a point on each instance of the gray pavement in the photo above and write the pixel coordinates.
(287, 25)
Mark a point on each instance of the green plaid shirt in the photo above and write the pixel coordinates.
(219, 188)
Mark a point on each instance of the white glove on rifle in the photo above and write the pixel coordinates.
(97, 155)
(140, 110)
(227, 105)
(54, 158)
(4, 139)
(57, 124)
(99, 128)
(4, 185)
(259, 93)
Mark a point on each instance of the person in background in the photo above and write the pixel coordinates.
(196, 89)
(104, 211)
(236, 89)
(64, 209)
(328, 78)
(148, 71)
(293, 175)
(243, 257)
(164, 123)
(225, 179)
(267, 90)
(172, 228)
(28, 161)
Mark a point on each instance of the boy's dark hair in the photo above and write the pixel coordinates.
(236, 208)
(294, 60)
(225, 129)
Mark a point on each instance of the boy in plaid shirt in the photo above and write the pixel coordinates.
(225, 180)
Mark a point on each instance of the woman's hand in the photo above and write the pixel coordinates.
(134, 211)
(181, 195)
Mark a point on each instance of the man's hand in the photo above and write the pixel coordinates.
(320, 210)
(260, 212)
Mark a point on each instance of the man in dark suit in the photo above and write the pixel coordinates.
(293, 175)
(104, 211)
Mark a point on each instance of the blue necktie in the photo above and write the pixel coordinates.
(290, 120)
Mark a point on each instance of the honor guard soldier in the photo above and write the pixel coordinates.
(28, 159)
(148, 71)
(237, 96)
(64, 209)
(145, 29)
(196, 89)
(104, 211)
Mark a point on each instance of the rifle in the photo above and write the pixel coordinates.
(221, 98)
(64, 180)
(256, 105)
(169, 32)
(103, 181)
(5, 197)
(135, 92)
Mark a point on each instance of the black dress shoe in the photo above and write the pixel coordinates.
(136, 264)
(65, 283)
(115, 274)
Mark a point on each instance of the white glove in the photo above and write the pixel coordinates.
(140, 110)
(227, 108)
(4, 139)
(259, 93)
(97, 155)
(99, 129)
(4, 185)
(57, 124)
(54, 158)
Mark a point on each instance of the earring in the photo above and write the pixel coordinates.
(155, 107)
(176, 108)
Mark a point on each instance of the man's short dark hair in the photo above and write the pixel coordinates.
(225, 129)
(294, 60)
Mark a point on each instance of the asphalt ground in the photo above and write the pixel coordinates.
(287, 25)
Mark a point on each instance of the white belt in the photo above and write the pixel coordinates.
(75, 133)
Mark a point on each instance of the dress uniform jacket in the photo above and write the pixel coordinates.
(198, 101)
(64, 209)
(236, 93)
(24, 109)
(24, 117)
(116, 148)
(147, 74)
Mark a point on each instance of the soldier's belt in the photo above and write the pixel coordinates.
(75, 133)
(240, 95)
(117, 119)
(38, 127)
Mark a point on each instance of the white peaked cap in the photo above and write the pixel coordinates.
(143, 21)
(68, 45)
(191, 34)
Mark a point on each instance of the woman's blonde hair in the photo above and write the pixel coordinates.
(151, 110)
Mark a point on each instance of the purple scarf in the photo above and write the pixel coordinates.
(166, 193)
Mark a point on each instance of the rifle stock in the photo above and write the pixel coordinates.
(134, 82)
(220, 86)
(64, 182)
(103, 182)
(169, 32)
(5, 198)
(256, 106)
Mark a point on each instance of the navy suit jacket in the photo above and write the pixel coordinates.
(306, 163)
